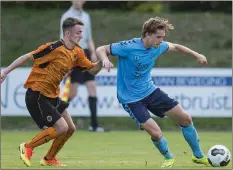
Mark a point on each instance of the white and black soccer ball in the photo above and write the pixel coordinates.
(219, 155)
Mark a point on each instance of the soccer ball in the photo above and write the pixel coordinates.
(219, 155)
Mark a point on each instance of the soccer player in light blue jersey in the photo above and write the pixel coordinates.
(137, 92)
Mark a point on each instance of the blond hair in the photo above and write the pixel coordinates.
(153, 24)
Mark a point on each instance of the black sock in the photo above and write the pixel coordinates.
(93, 108)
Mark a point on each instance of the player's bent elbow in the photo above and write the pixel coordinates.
(94, 71)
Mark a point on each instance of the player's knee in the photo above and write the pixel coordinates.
(152, 128)
(71, 129)
(61, 127)
(92, 86)
(64, 128)
(187, 120)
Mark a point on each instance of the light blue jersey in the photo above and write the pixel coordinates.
(135, 63)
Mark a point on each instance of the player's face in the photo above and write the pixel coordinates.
(157, 38)
(76, 34)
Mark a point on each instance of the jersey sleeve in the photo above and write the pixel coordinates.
(120, 49)
(82, 61)
(163, 47)
(40, 55)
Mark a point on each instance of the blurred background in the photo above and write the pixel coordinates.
(204, 26)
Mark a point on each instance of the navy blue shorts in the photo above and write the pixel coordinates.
(157, 103)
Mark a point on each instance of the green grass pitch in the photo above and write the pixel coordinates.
(119, 150)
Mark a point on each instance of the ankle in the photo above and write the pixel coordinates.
(168, 158)
(199, 157)
(47, 158)
(27, 145)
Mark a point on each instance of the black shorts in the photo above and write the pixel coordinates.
(45, 111)
(77, 76)
(157, 103)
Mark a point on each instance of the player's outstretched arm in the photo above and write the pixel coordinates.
(180, 48)
(18, 62)
(102, 53)
(96, 68)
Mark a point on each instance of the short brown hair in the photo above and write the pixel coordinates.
(153, 24)
(70, 22)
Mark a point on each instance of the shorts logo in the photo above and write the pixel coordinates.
(49, 118)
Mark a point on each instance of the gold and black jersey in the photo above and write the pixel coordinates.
(52, 62)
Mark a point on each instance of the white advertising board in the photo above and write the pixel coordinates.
(202, 92)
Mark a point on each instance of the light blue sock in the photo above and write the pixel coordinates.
(190, 135)
(162, 146)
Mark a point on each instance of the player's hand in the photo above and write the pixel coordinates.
(201, 59)
(3, 76)
(107, 64)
